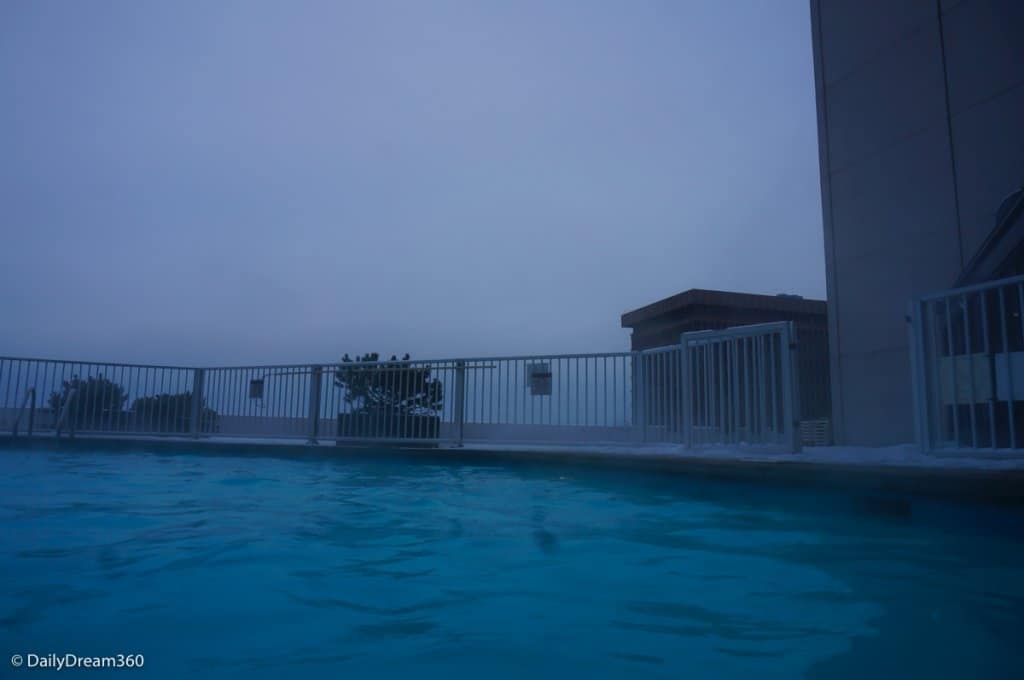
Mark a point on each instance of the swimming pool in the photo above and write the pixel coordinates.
(384, 565)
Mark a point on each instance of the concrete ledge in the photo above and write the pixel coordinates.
(898, 469)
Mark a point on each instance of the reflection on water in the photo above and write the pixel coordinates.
(258, 567)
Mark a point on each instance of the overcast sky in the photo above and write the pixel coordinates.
(211, 182)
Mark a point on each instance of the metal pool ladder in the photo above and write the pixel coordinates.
(30, 402)
(64, 414)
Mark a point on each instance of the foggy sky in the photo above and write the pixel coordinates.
(257, 182)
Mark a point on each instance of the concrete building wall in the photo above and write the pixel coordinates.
(920, 110)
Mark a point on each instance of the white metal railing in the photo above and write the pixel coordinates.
(659, 394)
(623, 397)
(967, 359)
(742, 386)
(546, 398)
(542, 398)
(92, 397)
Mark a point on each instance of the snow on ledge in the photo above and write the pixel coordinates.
(902, 456)
(905, 456)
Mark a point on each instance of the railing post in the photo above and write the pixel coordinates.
(686, 391)
(196, 414)
(460, 401)
(639, 396)
(315, 382)
(64, 411)
(32, 412)
(791, 395)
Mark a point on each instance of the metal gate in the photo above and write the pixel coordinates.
(741, 387)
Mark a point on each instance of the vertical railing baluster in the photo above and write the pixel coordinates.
(990, 365)
(460, 401)
(955, 396)
(196, 403)
(315, 379)
(970, 365)
(1009, 368)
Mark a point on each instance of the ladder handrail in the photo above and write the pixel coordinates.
(64, 411)
(30, 394)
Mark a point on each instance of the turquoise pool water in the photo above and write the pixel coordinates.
(374, 567)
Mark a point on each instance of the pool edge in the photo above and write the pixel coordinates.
(999, 485)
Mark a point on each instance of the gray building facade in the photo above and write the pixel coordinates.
(921, 138)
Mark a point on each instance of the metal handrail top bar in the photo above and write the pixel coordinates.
(660, 350)
(376, 367)
(112, 364)
(539, 357)
(976, 288)
(452, 361)
(734, 331)
(330, 364)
